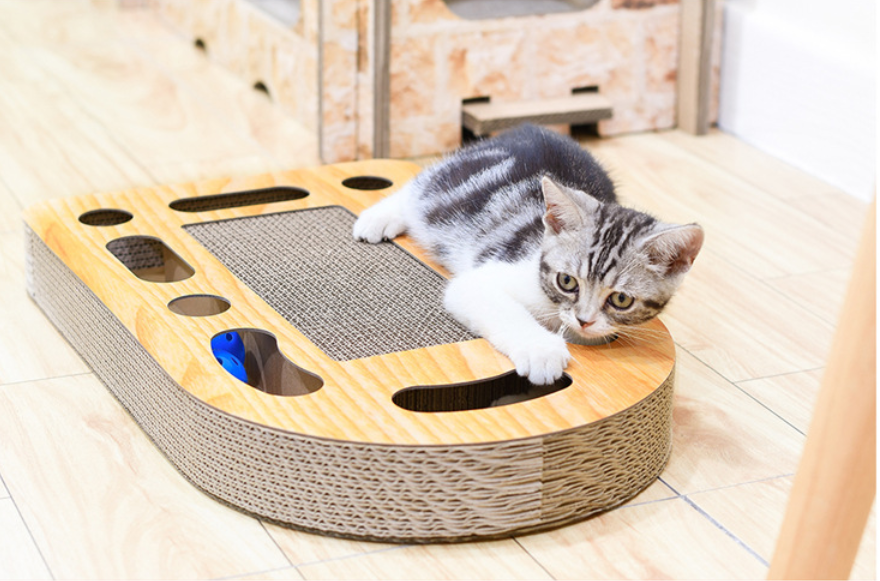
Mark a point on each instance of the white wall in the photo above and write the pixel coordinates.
(798, 81)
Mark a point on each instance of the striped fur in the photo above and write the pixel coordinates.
(488, 196)
(509, 216)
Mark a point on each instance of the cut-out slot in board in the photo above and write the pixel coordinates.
(150, 259)
(268, 370)
(367, 183)
(238, 199)
(493, 392)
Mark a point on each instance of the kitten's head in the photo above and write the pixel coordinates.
(606, 267)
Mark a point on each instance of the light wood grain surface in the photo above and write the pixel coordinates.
(72, 460)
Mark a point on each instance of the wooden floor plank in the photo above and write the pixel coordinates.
(50, 21)
(30, 346)
(10, 211)
(754, 512)
(19, 556)
(147, 110)
(838, 211)
(821, 293)
(660, 540)
(245, 111)
(744, 225)
(752, 165)
(721, 436)
(304, 548)
(741, 327)
(285, 574)
(50, 148)
(177, 123)
(151, 115)
(102, 502)
(484, 560)
(791, 396)
(190, 170)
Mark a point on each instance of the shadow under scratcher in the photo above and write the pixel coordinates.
(349, 298)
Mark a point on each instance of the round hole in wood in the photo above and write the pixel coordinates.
(367, 183)
(105, 217)
(199, 305)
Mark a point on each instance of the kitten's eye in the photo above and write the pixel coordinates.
(567, 282)
(620, 301)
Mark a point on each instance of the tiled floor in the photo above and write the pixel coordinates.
(92, 99)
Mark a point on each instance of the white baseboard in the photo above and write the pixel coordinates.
(800, 97)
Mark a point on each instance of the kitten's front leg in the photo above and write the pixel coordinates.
(485, 300)
(385, 220)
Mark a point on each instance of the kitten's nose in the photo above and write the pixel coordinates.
(586, 324)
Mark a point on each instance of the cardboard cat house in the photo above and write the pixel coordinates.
(362, 409)
(395, 79)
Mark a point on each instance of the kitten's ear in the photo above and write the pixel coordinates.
(674, 249)
(563, 213)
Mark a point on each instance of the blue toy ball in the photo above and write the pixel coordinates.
(232, 365)
(229, 342)
(228, 348)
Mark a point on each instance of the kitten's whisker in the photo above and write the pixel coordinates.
(636, 332)
(626, 339)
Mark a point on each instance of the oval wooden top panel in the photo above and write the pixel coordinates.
(354, 403)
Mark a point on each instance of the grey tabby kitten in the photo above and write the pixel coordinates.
(539, 251)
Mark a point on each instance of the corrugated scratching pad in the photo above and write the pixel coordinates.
(359, 408)
(352, 300)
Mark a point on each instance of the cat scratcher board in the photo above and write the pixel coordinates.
(365, 409)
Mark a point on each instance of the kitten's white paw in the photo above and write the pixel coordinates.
(542, 360)
(380, 222)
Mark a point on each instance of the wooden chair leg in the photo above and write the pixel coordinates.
(835, 483)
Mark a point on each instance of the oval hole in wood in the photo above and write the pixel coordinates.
(493, 392)
(367, 183)
(105, 217)
(269, 371)
(238, 199)
(199, 305)
(150, 259)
